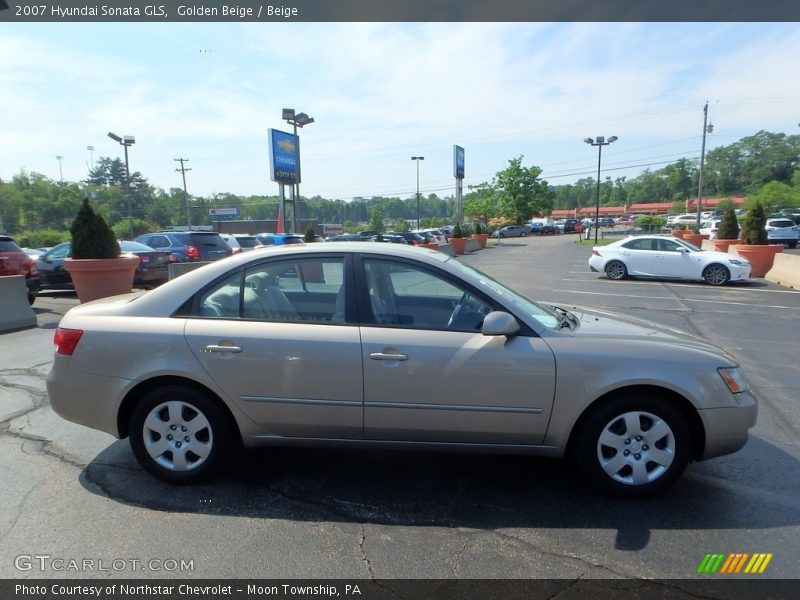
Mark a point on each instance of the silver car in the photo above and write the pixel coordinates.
(340, 344)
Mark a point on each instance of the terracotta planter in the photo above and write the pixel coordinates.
(760, 257)
(693, 238)
(679, 233)
(98, 278)
(722, 245)
(459, 245)
(482, 238)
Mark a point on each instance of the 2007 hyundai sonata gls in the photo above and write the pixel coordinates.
(341, 344)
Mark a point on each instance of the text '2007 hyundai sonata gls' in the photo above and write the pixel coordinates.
(341, 345)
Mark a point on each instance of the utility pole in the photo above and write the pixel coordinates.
(706, 129)
(185, 193)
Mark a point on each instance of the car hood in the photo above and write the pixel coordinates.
(598, 324)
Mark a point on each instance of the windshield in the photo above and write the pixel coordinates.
(517, 301)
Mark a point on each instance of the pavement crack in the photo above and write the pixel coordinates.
(364, 558)
(459, 557)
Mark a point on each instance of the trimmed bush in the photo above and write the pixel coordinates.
(91, 235)
(728, 226)
(754, 232)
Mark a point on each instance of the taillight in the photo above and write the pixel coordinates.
(236, 250)
(173, 257)
(193, 253)
(67, 340)
(32, 267)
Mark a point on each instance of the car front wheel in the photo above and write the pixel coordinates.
(634, 445)
(616, 270)
(716, 274)
(180, 434)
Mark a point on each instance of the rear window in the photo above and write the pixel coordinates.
(7, 245)
(247, 242)
(202, 239)
(781, 223)
(183, 238)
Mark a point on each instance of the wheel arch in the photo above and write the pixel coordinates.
(142, 388)
(687, 409)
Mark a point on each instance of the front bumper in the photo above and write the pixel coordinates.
(727, 428)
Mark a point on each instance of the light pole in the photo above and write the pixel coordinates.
(599, 141)
(417, 159)
(706, 129)
(296, 120)
(91, 156)
(125, 141)
(60, 172)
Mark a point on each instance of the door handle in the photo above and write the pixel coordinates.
(383, 356)
(217, 348)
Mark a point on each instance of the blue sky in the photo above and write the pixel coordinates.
(383, 92)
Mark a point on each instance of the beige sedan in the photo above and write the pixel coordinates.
(341, 344)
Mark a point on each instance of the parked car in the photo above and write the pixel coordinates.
(151, 271)
(684, 219)
(390, 238)
(241, 242)
(279, 239)
(415, 321)
(710, 228)
(542, 226)
(572, 226)
(666, 257)
(511, 231)
(14, 261)
(345, 237)
(782, 231)
(607, 222)
(188, 246)
(410, 237)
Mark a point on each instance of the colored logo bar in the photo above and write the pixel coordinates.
(735, 563)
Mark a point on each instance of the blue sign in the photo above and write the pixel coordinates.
(284, 157)
(458, 162)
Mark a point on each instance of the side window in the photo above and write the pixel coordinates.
(307, 290)
(59, 253)
(222, 301)
(668, 246)
(638, 245)
(409, 296)
(158, 241)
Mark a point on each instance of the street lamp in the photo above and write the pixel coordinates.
(417, 159)
(296, 120)
(599, 141)
(125, 141)
(60, 172)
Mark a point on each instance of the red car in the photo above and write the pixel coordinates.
(13, 261)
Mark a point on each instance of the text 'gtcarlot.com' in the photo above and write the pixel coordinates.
(48, 562)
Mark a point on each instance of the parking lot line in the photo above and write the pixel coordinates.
(683, 299)
(687, 284)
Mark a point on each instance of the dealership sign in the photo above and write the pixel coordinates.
(223, 212)
(284, 157)
(458, 162)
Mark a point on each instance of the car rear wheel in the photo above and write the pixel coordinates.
(634, 445)
(180, 434)
(716, 274)
(616, 270)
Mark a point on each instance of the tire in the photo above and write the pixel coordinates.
(616, 270)
(716, 274)
(31, 299)
(181, 412)
(653, 433)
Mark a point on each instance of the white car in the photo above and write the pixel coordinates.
(684, 219)
(241, 242)
(710, 228)
(666, 257)
(782, 231)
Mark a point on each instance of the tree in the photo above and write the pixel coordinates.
(523, 193)
(729, 226)
(376, 220)
(91, 235)
(754, 230)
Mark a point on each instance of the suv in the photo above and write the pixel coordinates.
(188, 246)
(14, 261)
(241, 242)
(782, 231)
(572, 226)
(279, 239)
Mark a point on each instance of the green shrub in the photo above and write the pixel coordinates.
(91, 235)
(122, 229)
(310, 235)
(478, 229)
(457, 232)
(754, 230)
(729, 226)
(41, 238)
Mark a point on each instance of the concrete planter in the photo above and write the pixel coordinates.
(760, 257)
(98, 278)
(482, 238)
(459, 244)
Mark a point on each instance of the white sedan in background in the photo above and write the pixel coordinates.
(666, 257)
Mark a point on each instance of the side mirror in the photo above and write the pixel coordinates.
(682, 250)
(499, 323)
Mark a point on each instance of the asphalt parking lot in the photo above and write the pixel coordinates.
(74, 493)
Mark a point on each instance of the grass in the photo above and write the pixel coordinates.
(600, 241)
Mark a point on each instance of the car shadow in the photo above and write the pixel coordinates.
(461, 490)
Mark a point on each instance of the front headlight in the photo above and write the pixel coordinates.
(734, 379)
(739, 262)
